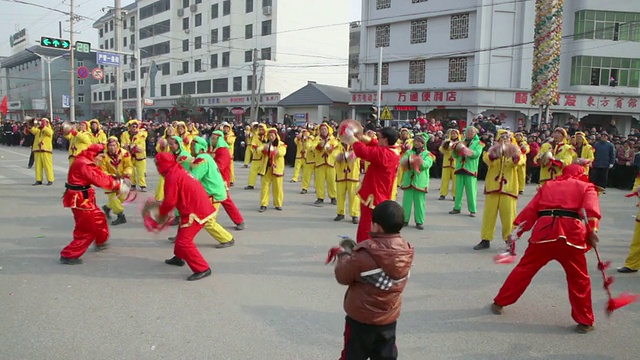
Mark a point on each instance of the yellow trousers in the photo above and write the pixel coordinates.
(505, 205)
(247, 155)
(307, 173)
(43, 162)
(115, 203)
(347, 189)
(233, 171)
(633, 259)
(394, 190)
(71, 160)
(448, 175)
(522, 177)
(216, 230)
(296, 170)
(160, 189)
(399, 175)
(275, 183)
(325, 174)
(140, 173)
(253, 172)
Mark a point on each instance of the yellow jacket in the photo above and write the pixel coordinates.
(324, 151)
(257, 144)
(230, 138)
(524, 149)
(301, 144)
(118, 164)
(448, 161)
(347, 164)
(43, 141)
(272, 158)
(309, 152)
(562, 153)
(136, 145)
(502, 175)
(78, 142)
(98, 138)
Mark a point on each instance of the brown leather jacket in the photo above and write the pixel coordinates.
(376, 273)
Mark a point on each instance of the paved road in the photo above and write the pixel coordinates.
(270, 296)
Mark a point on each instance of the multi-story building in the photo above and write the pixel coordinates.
(205, 49)
(475, 57)
(354, 51)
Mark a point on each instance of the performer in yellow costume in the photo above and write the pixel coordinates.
(98, 135)
(501, 187)
(230, 138)
(405, 142)
(117, 162)
(258, 140)
(134, 140)
(521, 141)
(347, 181)
(632, 263)
(79, 140)
(181, 130)
(583, 152)
(272, 170)
(394, 190)
(192, 131)
(43, 150)
(308, 168)
(554, 156)
(325, 172)
(300, 154)
(448, 164)
(248, 135)
(163, 146)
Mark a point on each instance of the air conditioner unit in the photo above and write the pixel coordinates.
(186, 31)
(180, 12)
(193, 8)
(267, 10)
(132, 28)
(180, 72)
(132, 47)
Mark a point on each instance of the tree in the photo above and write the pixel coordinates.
(186, 106)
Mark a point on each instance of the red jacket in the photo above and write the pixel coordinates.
(222, 156)
(184, 192)
(377, 184)
(564, 193)
(82, 176)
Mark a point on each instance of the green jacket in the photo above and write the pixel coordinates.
(417, 179)
(205, 170)
(183, 156)
(468, 165)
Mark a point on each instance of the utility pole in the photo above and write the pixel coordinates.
(254, 83)
(138, 66)
(379, 86)
(72, 61)
(117, 24)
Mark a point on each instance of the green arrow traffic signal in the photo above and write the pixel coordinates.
(65, 44)
(46, 42)
(55, 43)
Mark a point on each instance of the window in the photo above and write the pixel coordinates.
(383, 4)
(225, 59)
(101, 33)
(214, 61)
(185, 23)
(459, 26)
(197, 65)
(248, 56)
(458, 69)
(80, 98)
(111, 25)
(226, 33)
(385, 74)
(175, 89)
(419, 31)
(107, 95)
(250, 82)
(133, 19)
(198, 20)
(266, 53)
(106, 28)
(111, 43)
(226, 7)
(266, 27)
(80, 63)
(163, 90)
(220, 85)
(214, 36)
(383, 35)
(124, 24)
(155, 29)
(80, 82)
(189, 88)
(185, 67)
(214, 11)
(248, 31)
(132, 93)
(266, 3)
(198, 1)
(166, 68)
(124, 41)
(237, 83)
(198, 42)
(133, 39)
(185, 4)
(607, 25)
(418, 1)
(95, 96)
(417, 71)
(249, 6)
(203, 86)
(599, 71)
(185, 45)
(100, 96)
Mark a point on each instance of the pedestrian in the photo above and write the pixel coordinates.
(376, 272)
(271, 171)
(603, 160)
(43, 150)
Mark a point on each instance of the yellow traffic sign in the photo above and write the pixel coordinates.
(386, 114)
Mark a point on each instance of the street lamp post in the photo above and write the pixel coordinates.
(48, 60)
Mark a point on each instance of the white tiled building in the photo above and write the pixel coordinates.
(204, 48)
(463, 58)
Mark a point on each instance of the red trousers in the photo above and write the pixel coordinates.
(232, 210)
(574, 263)
(186, 249)
(364, 226)
(91, 225)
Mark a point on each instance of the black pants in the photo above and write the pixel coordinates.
(31, 160)
(363, 341)
(599, 176)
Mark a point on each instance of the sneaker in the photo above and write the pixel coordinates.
(262, 209)
(143, 189)
(102, 247)
(454, 212)
(626, 270)
(405, 224)
(279, 208)
(334, 201)
(520, 192)
(419, 227)
(172, 239)
(106, 211)
(49, 183)
(230, 184)
(472, 214)
(120, 220)
(37, 183)
(225, 245)
(583, 329)
(482, 245)
(176, 261)
(355, 220)
(303, 191)
(496, 309)
(319, 201)
(200, 275)
(70, 261)
(338, 218)
(441, 198)
(240, 226)
(249, 187)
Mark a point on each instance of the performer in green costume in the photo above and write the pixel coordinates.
(415, 179)
(467, 161)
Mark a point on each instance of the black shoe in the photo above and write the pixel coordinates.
(225, 245)
(175, 261)
(319, 201)
(120, 220)
(133, 187)
(240, 226)
(248, 187)
(419, 227)
(520, 192)
(279, 208)
(496, 309)
(172, 239)
(106, 211)
(405, 224)
(626, 270)
(355, 220)
(230, 184)
(338, 218)
(583, 329)
(70, 261)
(49, 183)
(441, 198)
(454, 199)
(303, 191)
(102, 247)
(454, 212)
(292, 181)
(200, 275)
(143, 189)
(472, 214)
(37, 183)
(262, 209)
(482, 245)
(334, 201)
(175, 221)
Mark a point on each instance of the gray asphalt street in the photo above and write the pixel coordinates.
(271, 296)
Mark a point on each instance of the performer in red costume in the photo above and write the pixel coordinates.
(559, 233)
(184, 192)
(222, 156)
(378, 181)
(91, 223)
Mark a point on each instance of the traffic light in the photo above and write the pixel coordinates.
(83, 47)
(374, 113)
(50, 42)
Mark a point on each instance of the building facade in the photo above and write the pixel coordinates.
(354, 51)
(205, 49)
(476, 58)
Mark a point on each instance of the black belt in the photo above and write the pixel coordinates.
(77, 187)
(560, 213)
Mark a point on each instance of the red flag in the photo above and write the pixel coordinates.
(4, 107)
